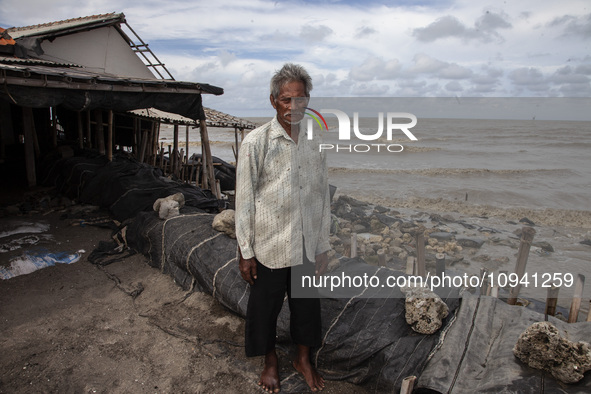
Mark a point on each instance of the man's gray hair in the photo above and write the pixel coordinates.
(290, 73)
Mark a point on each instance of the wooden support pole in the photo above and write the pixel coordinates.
(28, 123)
(80, 131)
(161, 158)
(353, 245)
(53, 127)
(110, 135)
(589, 312)
(206, 157)
(527, 236)
(88, 131)
(551, 301)
(408, 385)
(136, 138)
(175, 150)
(236, 141)
(99, 133)
(187, 139)
(575, 305)
(155, 139)
(143, 146)
(150, 145)
(170, 159)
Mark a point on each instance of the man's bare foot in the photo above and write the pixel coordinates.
(302, 365)
(270, 376)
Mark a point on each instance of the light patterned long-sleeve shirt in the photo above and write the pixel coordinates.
(282, 197)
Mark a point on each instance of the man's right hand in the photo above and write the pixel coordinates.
(248, 269)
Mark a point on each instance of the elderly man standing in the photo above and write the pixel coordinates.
(282, 226)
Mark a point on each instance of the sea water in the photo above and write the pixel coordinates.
(499, 163)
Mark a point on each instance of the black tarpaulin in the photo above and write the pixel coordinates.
(476, 355)
(185, 104)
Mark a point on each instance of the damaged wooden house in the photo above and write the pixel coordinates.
(92, 83)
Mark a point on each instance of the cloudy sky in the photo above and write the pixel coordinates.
(417, 48)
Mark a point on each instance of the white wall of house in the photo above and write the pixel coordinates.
(102, 50)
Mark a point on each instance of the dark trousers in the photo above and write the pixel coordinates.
(265, 302)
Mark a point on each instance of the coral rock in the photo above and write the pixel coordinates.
(425, 310)
(168, 207)
(224, 222)
(542, 346)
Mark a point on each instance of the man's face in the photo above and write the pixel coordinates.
(290, 111)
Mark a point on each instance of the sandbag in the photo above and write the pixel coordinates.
(365, 340)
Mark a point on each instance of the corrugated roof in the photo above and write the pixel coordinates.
(213, 118)
(80, 78)
(40, 62)
(53, 28)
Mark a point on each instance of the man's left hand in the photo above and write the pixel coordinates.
(321, 263)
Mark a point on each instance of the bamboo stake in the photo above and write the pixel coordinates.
(522, 255)
(551, 301)
(589, 312)
(175, 150)
(575, 305)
